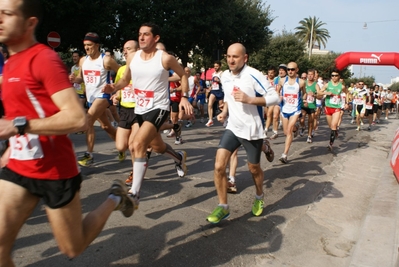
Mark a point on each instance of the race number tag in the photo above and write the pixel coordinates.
(310, 98)
(291, 99)
(25, 147)
(335, 99)
(215, 86)
(92, 77)
(144, 99)
(128, 94)
(368, 106)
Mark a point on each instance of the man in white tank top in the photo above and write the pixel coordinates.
(293, 93)
(93, 73)
(148, 69)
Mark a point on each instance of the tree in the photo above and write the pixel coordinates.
(310, 32)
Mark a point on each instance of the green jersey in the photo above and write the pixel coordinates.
(312, 97)
(334, 100)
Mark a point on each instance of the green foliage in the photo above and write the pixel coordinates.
(310, 31)
(394, 87)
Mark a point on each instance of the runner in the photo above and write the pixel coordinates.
(332, 90)
(312, 91)
(241, 83)
(148, 69)
(42, 108)
(293, 93)
(277, 122)
(80, 88)
(94, 72)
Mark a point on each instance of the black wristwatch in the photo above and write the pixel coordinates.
(20, 123)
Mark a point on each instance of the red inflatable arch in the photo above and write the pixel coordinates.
(367, 58)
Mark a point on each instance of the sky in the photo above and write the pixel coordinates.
(345, 20)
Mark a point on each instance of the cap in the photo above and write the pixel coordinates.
(92, 36)
(283, 66)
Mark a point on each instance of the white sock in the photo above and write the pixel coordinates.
(259, 197)
(232, 179)
(116, 199)
(225, 206)
(139, 169)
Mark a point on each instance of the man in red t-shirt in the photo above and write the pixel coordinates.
(42, 108)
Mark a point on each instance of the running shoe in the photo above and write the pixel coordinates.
(135, 199)
(312, 135)
(121, 156)
(126, 203)
(218, 214)
(202, 120)
(129, 180)
(189, 124)
(373, 123)
(231, 187)
(361, 123)
(330, 147)
(178, 141)
(257, 207)
(181, 167)
(309, 140)
(171, 133)
(301, 131)
(86, 160)
(369, 128)
(269, 153)
(283, 159)
(358, 128)
(386, 118)
(274, 136)
(209, 123)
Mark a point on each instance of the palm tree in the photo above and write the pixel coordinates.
(310, 32)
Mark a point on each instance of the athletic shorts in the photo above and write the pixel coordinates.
(359, 108)
(368, 112)
(386, 106)
(330, 111)
(231, 142)
(289, 115)
(55, 193)
(309, 110)
(218, 94)
(175, 106)
(157, 117)
(104, 96)
(127, 118)
(375, 108)
(201, 99)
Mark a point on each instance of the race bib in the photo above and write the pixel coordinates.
(358, 101)
(291, 99)
(310, 98)
(335, 100)
(144, 99)
(368, 106)
(235, 90)
(215, 86)
(25, 147)
(92, 77)
(128, 94)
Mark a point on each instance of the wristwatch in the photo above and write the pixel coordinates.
(20, 123)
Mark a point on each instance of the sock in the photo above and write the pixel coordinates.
(284, 155)
(225, 206)
(171, 153)
(332, 137)
(232, 179)
(139, 168)
(90, 153)
(116, 199)
(259, 197)
(275, 132)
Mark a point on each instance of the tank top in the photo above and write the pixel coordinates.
(311, 98)
(334, 100)
(95, 76)
(292, 99)
(150, 82)
(80, 88)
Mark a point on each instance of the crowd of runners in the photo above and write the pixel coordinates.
(135, 103)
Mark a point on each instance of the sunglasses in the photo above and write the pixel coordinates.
(334, 75)
(290, 69)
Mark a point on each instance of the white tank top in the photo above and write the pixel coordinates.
(94, 77)
(150, 81)
(291, 97)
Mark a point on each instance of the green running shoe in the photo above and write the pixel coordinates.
(257, 207)
(218, 214)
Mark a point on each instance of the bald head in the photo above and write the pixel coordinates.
(129, 47)
(161, 46)
(236, 57)
(292, 69)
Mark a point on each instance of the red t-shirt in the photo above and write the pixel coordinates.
(30, 78)
(176, 96)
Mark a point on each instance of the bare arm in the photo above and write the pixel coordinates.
(69, 119)
(123, 81)
(110, 64)
(79, 78)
